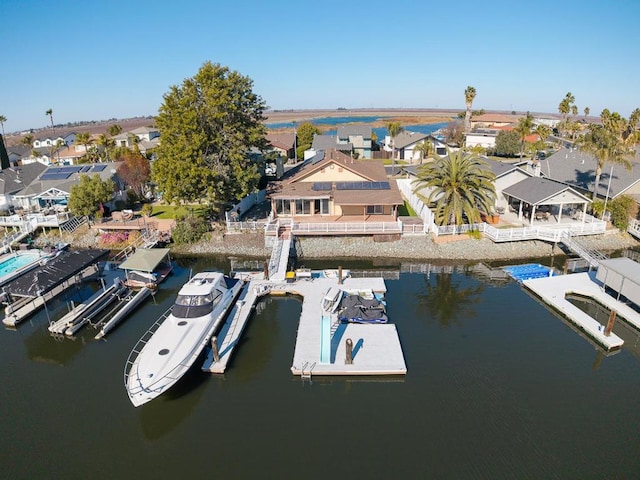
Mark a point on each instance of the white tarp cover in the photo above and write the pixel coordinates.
(622, 275)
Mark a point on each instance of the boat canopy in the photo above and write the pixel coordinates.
(145, 259)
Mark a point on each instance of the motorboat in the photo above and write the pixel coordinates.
(171, 346)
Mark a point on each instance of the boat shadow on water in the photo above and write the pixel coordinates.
(160, 416)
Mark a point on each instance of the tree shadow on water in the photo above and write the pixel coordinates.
(447, 300)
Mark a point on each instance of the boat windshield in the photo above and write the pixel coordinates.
(192, 306)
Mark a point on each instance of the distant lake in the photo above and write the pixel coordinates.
(328, 121)
(381, 132)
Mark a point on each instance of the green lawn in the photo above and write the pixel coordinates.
(406, 211)
(171, 211)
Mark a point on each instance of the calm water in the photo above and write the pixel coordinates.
(497, 387)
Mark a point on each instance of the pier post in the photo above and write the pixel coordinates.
(565, 269)
(349, 354)
(266, 271)
(612, 320)
(214, 347)
(339, 275)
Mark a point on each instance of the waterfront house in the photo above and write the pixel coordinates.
(14, 179)
(323, 143)
(404, 145)
(335, 188)
(578, 169)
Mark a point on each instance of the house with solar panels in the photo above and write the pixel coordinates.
(333, 190)
(52, 187)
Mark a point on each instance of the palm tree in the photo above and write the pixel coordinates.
(114, 130)
(50, 113)
(394, 129)
(84, 138)
(461, 185)
(565, 107)
(425, 149)
(106, 143)
(609, 142)
(27, 140)
(469, 96)
(2, 120)
(586, 112)
(543, 132)
(524, 129)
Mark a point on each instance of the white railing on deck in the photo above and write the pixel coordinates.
(347, 227)
(634, 227)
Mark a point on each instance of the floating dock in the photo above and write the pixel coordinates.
(322, 340)
(553, 291)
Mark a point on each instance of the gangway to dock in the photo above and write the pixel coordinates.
(593, 257)
(280, 257)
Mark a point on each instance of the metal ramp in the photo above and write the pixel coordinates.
(593, 257)
(280, 258)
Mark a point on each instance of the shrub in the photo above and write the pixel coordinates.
(190, 230)
(147, 210)
(114, 240)
(621, 209)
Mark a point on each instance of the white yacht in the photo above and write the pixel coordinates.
(171, 346)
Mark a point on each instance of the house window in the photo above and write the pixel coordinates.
(283, 206)
(303, 207)
(375, 210)
(321, 206)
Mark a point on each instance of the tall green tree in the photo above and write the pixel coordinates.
(27, 140)
(49, 113)
(507, 143)
(543, 131)
(107, 143)
(524, 129)
(87, 195)
(2, 120)
(469, 96)
(4, 156)
(208, 124)
(611, 141)
(461, 185)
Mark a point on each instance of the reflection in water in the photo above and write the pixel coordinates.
(600, 313)
(160, 416)
(42, 347)
(449, 301)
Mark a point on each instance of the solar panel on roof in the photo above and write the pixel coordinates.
(321, 186)
(362, 186)
(86, 168)
(99, 168)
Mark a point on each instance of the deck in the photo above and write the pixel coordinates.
(376, 348)
(553, 291)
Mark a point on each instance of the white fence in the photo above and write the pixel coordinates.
(634, 227)
(347, 227)
(405, 187)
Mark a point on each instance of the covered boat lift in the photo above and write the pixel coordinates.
(147, 267)
(622, 275)
(45, 282)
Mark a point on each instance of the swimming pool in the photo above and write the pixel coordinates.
(528, 271)
(16, 262)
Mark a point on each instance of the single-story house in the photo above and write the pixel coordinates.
(282, 143)
(14, 179)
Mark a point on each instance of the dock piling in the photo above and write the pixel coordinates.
(214, 347)
(612, 320)
(349, 352)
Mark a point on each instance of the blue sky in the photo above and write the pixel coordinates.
(115, 59)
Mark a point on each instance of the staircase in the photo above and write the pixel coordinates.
(73, 223)
(594, 257)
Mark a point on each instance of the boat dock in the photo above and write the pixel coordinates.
(324, 345)
(33, 289)
(553, 291)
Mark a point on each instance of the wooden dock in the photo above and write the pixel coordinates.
(376, 349)
(553, 291)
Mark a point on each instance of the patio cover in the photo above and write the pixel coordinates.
(622, 275)
(542, 191)
(145, 259)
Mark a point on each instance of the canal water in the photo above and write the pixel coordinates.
(498, 387)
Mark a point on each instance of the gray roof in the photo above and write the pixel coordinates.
(538, 190)
(578, 169)
(406, 138)
(328, 142)
(38, 186)
(345, 131)
(501, 168)
(145, 259)
(14, 179)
